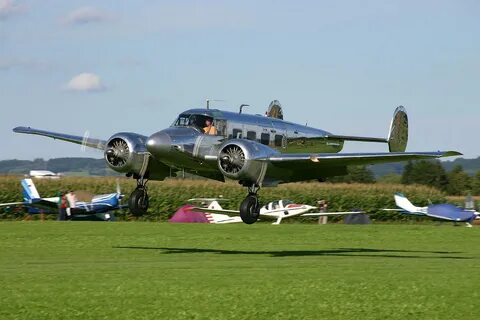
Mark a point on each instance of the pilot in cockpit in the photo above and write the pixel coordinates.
(209, 127)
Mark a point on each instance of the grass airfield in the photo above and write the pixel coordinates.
(87, 270)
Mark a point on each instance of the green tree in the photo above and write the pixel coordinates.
(356, 174)
(476, 184)
(430, 173)
(407, 173)
(459, 181)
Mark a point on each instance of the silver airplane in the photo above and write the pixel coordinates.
(254, 150)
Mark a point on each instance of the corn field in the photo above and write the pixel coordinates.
(167, 196)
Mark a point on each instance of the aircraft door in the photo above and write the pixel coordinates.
(280, 136)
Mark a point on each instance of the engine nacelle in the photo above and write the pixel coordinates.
(126, 152)
(236, 160)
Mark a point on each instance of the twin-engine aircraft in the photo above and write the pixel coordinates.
(255, 150)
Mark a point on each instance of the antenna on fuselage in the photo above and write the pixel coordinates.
(212, 100)
(241, 107)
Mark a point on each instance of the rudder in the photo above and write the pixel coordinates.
(29, 190)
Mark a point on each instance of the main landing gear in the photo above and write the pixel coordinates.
(138, 202)
(250, 207)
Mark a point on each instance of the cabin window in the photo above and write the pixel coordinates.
(251, 135)
(237, 134)
(278, 140)
(265, 138)
(221, 126)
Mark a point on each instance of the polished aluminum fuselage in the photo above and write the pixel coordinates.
(188, 148)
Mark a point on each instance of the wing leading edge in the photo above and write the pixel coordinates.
(89, 142)
(346, 159)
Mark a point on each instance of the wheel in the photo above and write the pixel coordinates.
(250, 209)
(138, 202)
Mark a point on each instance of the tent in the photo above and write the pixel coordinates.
(185, 214)
(357, 218)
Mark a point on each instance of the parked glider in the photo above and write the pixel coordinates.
(278, 210)
(83, 205)
(254, 150)
(444, 211)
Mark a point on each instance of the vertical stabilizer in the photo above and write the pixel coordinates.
(29, 190)
(402, 202)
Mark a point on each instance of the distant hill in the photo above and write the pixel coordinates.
(471, 166)
(68, 166)
(98, 167)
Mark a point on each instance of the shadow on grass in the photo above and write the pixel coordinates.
(340, 252)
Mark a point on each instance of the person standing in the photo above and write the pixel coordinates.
(62, 207)
(322, 208)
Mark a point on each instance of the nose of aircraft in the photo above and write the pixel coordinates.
(159, 143)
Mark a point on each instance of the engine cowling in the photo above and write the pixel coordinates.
(236, 160)
(125, 152)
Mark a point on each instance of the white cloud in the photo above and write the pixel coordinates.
(85, 15)
(9, 8)
(85, 82)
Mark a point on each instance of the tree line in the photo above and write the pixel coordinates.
(422, 172)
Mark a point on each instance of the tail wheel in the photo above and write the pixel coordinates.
(250, 209)
(138, 202)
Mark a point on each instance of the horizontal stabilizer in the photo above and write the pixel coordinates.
(397, 136)
(354, 138)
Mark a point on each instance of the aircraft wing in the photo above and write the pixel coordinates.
(321, 214)
(43, 204)
(89, 142)
(347, 159)
(12, 204)
(223, 211)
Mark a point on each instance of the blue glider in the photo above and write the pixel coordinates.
(445, 211)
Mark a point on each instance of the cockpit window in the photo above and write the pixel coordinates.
(182, 121)
(275, 205)
(201, 122)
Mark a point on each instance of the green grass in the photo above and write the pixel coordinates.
(85, 270)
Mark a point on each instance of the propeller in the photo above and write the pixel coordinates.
(119, 190)
(86, 135)
(120, 196)
(117, 152)
(232, 159)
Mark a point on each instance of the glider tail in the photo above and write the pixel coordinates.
(29, 190)
(402, 202)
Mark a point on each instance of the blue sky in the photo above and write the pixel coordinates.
(343, 66)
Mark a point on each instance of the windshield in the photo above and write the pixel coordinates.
(199, 121)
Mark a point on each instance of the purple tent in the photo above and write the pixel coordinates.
(185, 214)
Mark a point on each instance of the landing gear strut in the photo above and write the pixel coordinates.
(250, 207)
(138, 202)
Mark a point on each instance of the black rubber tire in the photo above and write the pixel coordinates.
(138, 202)
(250, 209)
